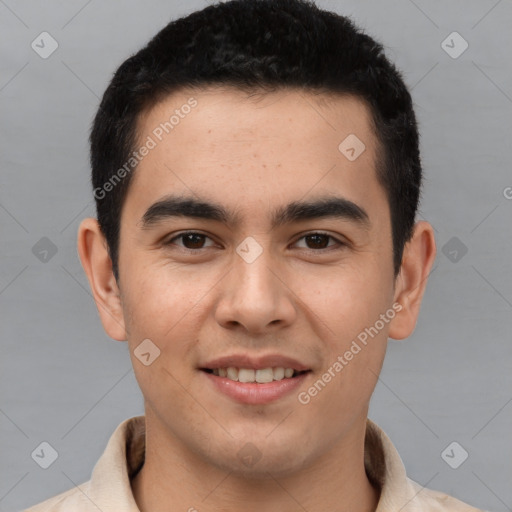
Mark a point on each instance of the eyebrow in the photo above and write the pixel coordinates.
(324, 207)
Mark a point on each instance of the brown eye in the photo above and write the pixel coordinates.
(319, 241)
(193, 241)
(190, 240)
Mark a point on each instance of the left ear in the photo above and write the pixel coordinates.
(418, 258)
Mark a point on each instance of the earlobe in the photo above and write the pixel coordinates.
(93, 253)
(418, 258)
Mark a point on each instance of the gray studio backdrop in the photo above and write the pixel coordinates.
(64, 382)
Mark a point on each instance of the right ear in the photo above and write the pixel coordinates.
(93, 253)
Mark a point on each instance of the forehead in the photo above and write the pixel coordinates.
(245, 149)
(239, 118)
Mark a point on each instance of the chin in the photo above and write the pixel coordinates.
(260, 460)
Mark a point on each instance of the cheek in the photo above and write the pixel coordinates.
(158, 301)
(161, 314)
(165, 306)
(350, 307)
(157, 312)
(346, 300)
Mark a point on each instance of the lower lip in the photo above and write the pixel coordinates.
(254, 393)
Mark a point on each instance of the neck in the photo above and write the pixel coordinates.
(173, 479)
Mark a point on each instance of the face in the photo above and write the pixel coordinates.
(254, 283)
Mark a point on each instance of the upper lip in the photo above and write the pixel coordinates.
(255, 362)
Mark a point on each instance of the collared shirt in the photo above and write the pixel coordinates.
(109, 488)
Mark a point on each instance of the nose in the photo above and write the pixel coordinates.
(255, 296)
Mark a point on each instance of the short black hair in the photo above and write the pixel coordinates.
(259, 45)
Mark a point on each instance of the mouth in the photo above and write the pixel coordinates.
(252, 375)
(254, 381)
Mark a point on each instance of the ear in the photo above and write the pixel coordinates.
(93, 253)
(418, 258)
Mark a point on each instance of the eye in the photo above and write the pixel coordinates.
(192, 240)
(318, 241)
(195, 241)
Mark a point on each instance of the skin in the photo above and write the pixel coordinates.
(253, 155)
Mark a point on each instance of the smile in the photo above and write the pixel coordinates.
(255, 387)
(260, 376)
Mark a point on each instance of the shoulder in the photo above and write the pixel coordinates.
(429, 500)
(74, 499)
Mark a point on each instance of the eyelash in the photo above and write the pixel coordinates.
(340, 244)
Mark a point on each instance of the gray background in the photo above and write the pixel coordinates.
(64, 381)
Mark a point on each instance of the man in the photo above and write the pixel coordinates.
(257, 174)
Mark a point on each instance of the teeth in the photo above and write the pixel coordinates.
(232, 373)
(245, 375)
(278, 373)
(265, 375)
(250, 375)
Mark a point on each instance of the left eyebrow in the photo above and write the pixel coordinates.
(324, 207)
